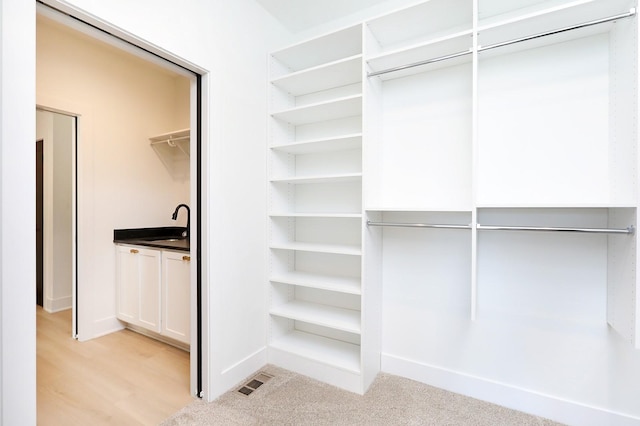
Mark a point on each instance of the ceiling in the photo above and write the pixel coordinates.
(300, 15)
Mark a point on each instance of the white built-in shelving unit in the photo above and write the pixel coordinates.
(513, 121)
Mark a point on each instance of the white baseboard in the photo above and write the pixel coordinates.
(99, 328)
(236, 373)
(57, 305)
(538, 404)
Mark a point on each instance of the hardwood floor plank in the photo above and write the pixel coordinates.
(123, 378)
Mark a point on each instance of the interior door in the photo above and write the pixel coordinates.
(39, 222)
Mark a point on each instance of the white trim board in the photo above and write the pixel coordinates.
(516, 398)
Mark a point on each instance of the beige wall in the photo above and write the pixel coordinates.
(121, 101)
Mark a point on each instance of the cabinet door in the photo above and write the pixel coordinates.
(127, 284)
(176, 278)
(139, 286)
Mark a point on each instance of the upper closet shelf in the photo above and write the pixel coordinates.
(537, 29)
(327, 76)
(348, 106)
(318, 51)
(421, 23)
(173, 149)
(565, 22)
(437, 53)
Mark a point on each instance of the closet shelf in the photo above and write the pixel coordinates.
(436, 53)
(324, 315)
(424, 21)
(347, 249)
(349, 285)
(321, 50)
(344, 107)
(440, 55)
(349, 177)
(323, 77)
(336, 353)
(338, 143)
(318, 215)
(173, 149)
(566, 22)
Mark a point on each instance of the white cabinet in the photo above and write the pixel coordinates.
(153, 290)
(176, 294)
(493, 146)
(138, 285)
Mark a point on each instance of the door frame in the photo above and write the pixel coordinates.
(199, 77)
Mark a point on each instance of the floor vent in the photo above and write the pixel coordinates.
(254, 383)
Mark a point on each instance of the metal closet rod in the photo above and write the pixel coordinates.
(627, 231)
(417, 225)
(629, 14)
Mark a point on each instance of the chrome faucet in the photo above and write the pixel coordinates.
(174, 216)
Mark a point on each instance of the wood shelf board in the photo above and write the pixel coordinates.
(451, 44)
(324, 315)
(319, 248)
(425, 20)
(348, 106)
(339, 143)
(318, 215)
(351, 177)
(328, 76)
(332, 352)
(349, 285)
(527, 22)
(320, 50)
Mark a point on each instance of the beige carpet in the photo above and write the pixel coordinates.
(292, 399)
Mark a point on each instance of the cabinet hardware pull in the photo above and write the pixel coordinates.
(187, 258)
(134, 251)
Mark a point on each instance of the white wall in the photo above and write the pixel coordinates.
(121, 101)
(17, 213)
(230, 39)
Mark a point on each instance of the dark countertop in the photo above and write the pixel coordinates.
(166, 237)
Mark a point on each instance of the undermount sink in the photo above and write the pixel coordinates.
(171, 237)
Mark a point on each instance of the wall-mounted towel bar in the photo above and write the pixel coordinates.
(628, 231)
(629, 14)
(418, 225)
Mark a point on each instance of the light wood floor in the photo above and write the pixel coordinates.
(120, 379)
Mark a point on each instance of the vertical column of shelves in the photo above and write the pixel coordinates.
(426, 113)
(315, 208)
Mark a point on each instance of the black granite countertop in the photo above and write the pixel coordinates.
(166, 237)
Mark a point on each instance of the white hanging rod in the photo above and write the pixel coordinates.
(417, 64)
(629, 14)
(417, 225)
(628, 231)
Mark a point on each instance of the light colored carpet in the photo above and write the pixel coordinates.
(291, 399)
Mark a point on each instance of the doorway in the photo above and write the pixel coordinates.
(55, 216)
(94, 238)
